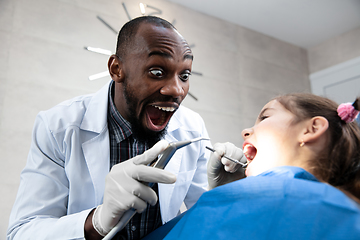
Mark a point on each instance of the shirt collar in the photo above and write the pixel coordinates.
(121, 127)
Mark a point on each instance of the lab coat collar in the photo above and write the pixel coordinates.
(175, 122)
(95, 118)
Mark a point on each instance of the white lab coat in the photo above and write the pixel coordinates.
(64, 177)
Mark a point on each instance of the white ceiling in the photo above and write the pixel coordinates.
(304, 23)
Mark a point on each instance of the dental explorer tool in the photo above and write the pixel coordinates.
(244, 165)
(160, 163)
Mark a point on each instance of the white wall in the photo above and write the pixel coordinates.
(43, 62)
(335, 51)
(335, 67)
(340, 82)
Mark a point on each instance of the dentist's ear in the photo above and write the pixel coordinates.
(315, 129)
(115, 69)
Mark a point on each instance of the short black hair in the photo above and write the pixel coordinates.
(128, 31)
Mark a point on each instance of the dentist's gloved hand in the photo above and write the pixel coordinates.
(221, 170)
(124, 190)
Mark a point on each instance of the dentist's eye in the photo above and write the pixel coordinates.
(157, 72)
(185, 76)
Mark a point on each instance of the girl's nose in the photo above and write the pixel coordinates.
(246, 133)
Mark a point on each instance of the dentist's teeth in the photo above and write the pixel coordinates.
(167, 109)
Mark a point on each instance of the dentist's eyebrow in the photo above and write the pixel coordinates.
(167, 55)
(188, 56)
(161, 54)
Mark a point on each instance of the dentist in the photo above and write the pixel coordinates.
(89, 154)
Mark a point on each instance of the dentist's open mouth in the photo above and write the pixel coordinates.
(158, 115)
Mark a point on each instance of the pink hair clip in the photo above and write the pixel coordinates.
(347, 112)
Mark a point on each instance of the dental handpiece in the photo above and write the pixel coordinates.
(243, 165)
(160, 163)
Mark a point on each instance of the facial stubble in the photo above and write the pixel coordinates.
(140, 132)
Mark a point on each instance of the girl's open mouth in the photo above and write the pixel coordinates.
(249, 151)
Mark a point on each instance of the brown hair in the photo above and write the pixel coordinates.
(339, 162)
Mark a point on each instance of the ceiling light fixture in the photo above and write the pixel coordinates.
(99, 50)
(142, 8)
(99, 75)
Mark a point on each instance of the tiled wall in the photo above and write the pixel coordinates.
(43, 62)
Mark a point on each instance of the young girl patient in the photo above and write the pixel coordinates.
(303, 177)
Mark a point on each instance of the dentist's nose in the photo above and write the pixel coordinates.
(175, 87)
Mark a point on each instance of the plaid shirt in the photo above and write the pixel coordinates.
(123, 147)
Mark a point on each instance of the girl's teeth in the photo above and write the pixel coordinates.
(249, 157)
(247, 152)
